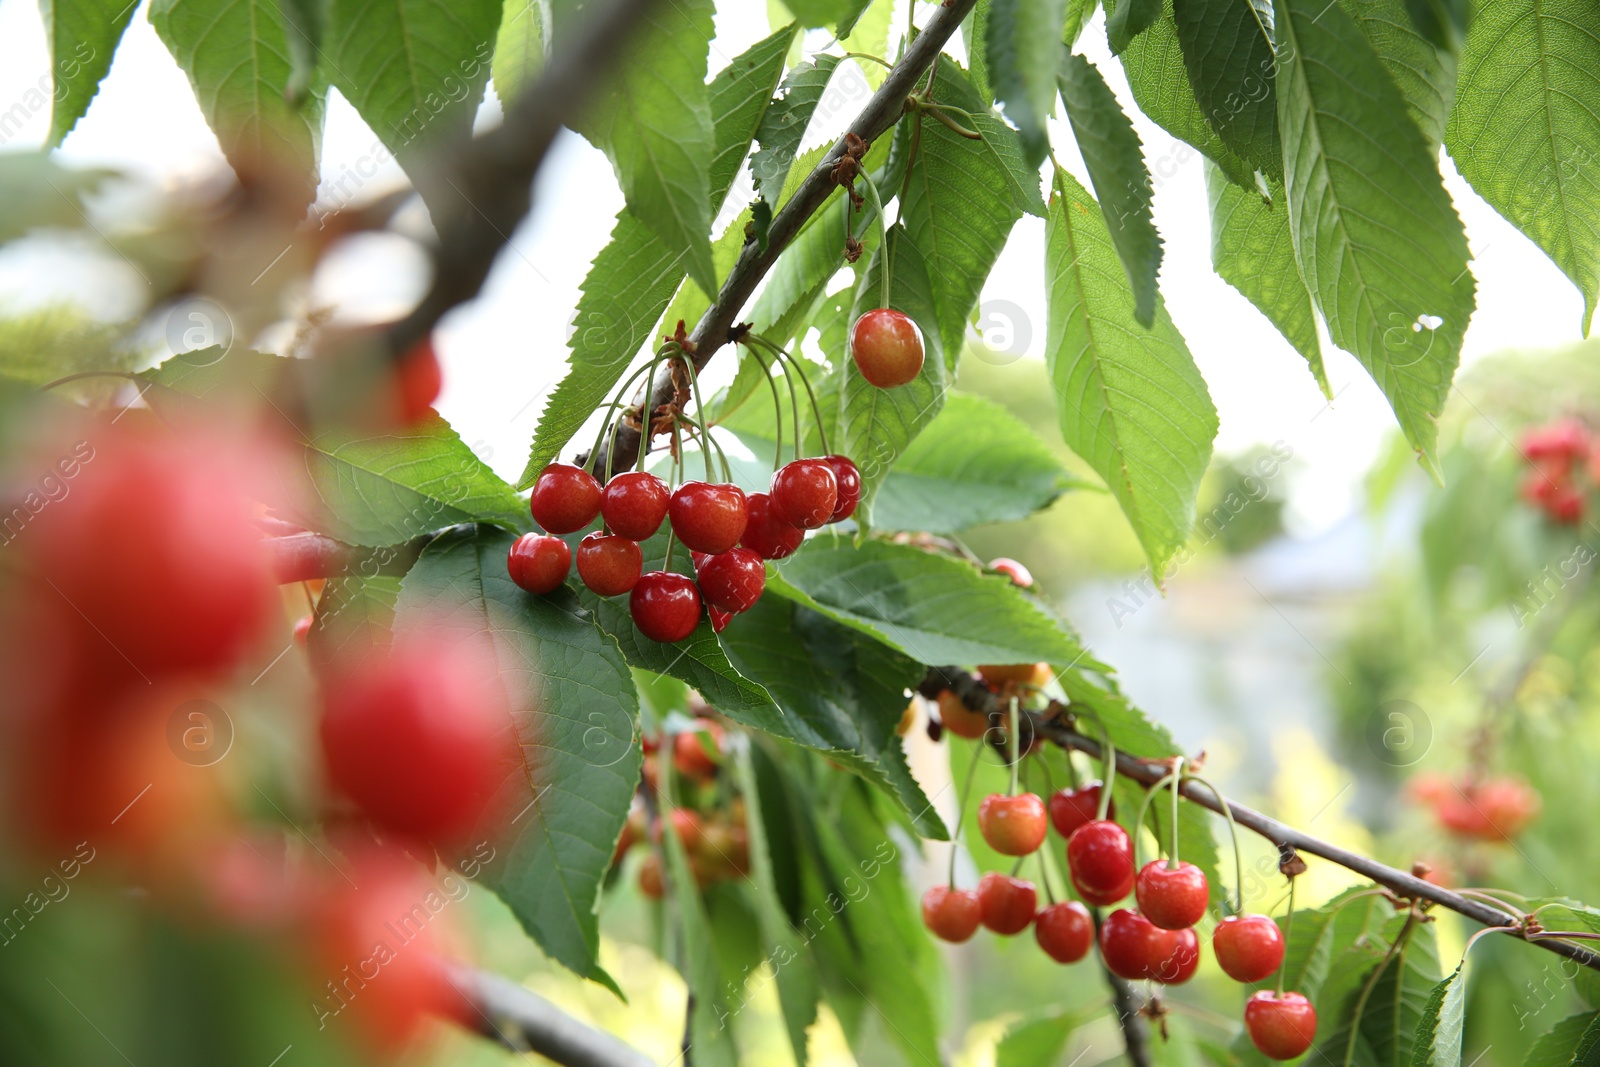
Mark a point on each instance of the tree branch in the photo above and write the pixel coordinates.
(711, 333)
(1056, 724)
(1135, 1030)
(302, 556)
(523, 1021)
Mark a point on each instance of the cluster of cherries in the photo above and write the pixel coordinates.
(730, 535)
(1155, 941)
(1487, 809)
(1562, 455)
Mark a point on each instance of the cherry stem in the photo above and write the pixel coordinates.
(868, 55)
(700, 415)
(647, 416)
(961, 815)
(1016, 758)
(1044, 878)
(777, 409)
(611, 411)
(1233, 832)
(1288, 928)
(677, 470)
(885, 276)
(1177, 778)
(794, 364)
(1144, 808)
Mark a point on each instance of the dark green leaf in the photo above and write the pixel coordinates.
(236, 55)
(633, 278)
(1375, 234)
(1438, 1037)
(575, 716)
(655, 125)
(82, 36)
(518, 48)
(1424, 74)
(959, 206)
(815, 13)
(1558, 1046)
(1253, 251)
(976, 463)
(1128, 19)
(785, 122)
(1443, 23)
(933, 608)
(355, 617)
(1036, 1042)
(1021, 39)
(1227, 50)
(1113, 155)
(1525, 132)
(854, 9)
(1131, 401)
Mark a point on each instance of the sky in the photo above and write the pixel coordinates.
(505, 351)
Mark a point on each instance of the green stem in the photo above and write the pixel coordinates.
(961, 814)
(1016, 758)
(1144, 808)
(1371, 983)
(677, 472)
(884, 278)
(777, 408)
(1233, 831)
(700, 414)
(1177, 777)
(951, 124)
(648, 413)
(793, 362)
(868, 55)
(1288, 928)
(611, 411)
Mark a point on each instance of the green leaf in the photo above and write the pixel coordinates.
(1371, 1004)
(1424, 74)
(1227, 50)
(1128, 19)
(1395, 1011)
(1253, 251)
(414, 70)
(575, 717)
(816, 13)
(1525, 132)
(82, 36)
(785, 122)
(1036, 1042)
(518, 48)
(1023, 51)
(1442, 23)
(1131, 401)
(1114, 157)
(1561, 1044)
(654, 122)
(633, 278)
(959, 206)
(869, 32)
(933, 608)
(37, 192)
(1438, 1037)
(1377, 239)
(1154, 64)
(842, 694)
(236, 54)
(354, 619)
(976, 463)
(1079, 12)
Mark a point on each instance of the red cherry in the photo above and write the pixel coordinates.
(767, 534)
(1173, 899)
(635, 504)
(1020, 576)
(419, 737)
(1565, 439)
(302, 628)
(1006, 905)
(848, 477)
(1133, 947)
(1013, 826)
(651, 883)
(156, 548)
(955, 716)
(1566, 505)
(719, 619)
(708, 517)
(1281, 1027)
(886, 348)
(539, 563)
(565, 498)
(1180, 964)
(687, 825)
(689, 753)
(665, 606)
(1100, 857)
(609, 564)
(1064, 931)
(805, 492)
(1071, 808)
(1248, 947)
(418, 380)
(952, 914)
(733, 580)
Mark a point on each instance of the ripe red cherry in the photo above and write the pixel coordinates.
(719, 619)
(1173, 899)
(156, 547)
(634, 504)
(1280, 1027)
(1071, 808)
(848, 477)
(733, 580)
(1181, 963)
(1565, 439)
(565, 498)
(665, 606)
(1013, 826)
(767, 534)
(419, 737)
(952, 914)
(1006, 905)
(1100, 857)
(689, 755)
(609, 564)
(1020, 576)
(1248, 947)
(1133, 947)
(1064, 931)
(886, 348)
(805, 492)
(418, 380)
(539, 563)
(708, 517)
